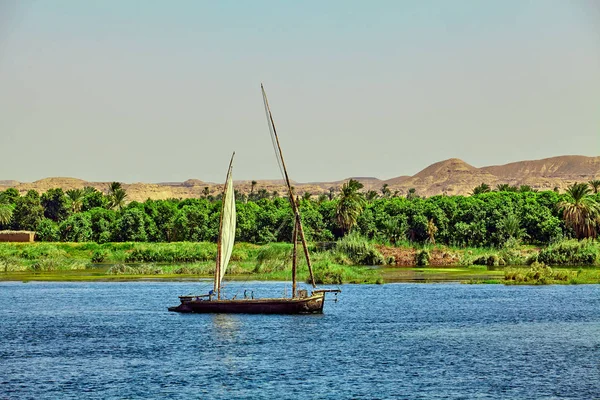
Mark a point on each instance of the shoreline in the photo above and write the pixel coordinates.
(366, 263)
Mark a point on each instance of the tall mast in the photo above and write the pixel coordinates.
(294, 258)
(217, 285)
(289, 186)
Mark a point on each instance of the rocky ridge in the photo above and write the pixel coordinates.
(452, 177)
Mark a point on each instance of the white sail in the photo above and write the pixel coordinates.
(227, 231)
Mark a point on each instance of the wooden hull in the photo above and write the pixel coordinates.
(307, 305)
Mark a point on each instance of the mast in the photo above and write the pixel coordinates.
(289, 186)
(217, 285)
(294, 258)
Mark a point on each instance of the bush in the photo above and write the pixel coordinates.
(359, 250)
(570, 252)
(423, 258)
(491, 260)
(120, 269)
(55, 264)
(328, 274)
(273, 257)
(538, 274)
(47, 231)
(99, 256)
(42, 250)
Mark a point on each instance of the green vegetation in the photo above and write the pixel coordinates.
(423, 258)
(507, 227)
(569, 252)
(349, 205)
(581, 211)
(357, 251)
(341, 262)
(541, 274)
(267, 262)
(485, 219)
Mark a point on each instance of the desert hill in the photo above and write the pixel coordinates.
(565, 167)
(452, 176)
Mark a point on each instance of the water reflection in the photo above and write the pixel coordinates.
(224, 326)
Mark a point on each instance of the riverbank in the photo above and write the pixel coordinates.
(341, 262)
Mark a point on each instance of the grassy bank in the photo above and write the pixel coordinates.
(89, 261)
(349, 260)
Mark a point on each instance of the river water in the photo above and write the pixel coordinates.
(417, 341)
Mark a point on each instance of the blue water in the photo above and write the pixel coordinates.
(440, 341)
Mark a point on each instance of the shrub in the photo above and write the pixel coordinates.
(492, 260)
(423, 258)
(47, 231)
(99, 256)
(55, 264)
(359, 250)
(273, 257)
(43, 250)
(570, 252)
(328, 274)
(120, 269)
(538, 274)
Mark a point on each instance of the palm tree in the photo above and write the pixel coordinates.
(394, 229)
(350, 205)
(483, 188)
(116, 195)
(385, 190)
(371, 195)
(117, 199)
(114, 186)
(510, 227)
(252, 188)
(580, 211)
(526, 188)
(262, 194)
(76, 197)
(412, 194)
(307, 195)
(331, 193)
(6, 212)
(205, 192)
(595, 184)
(505, 187)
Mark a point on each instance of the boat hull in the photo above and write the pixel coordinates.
(306, 305)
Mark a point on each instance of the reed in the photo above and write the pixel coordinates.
(359, 250)
(273, 257)
(538, 274)
(569, 252)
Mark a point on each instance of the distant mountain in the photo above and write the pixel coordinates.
(564, 167)
(452, 176)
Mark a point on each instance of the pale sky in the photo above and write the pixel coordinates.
(156, 91)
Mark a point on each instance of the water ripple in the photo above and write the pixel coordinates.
(444, 341)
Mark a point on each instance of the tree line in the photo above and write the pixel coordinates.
(485, 218)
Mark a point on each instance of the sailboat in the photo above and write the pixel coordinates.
(300, 301)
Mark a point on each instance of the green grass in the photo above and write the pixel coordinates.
(340, 264)
(541, 274)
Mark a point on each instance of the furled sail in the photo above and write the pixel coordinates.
(227, 228)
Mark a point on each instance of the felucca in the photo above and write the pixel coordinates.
(300, 301)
